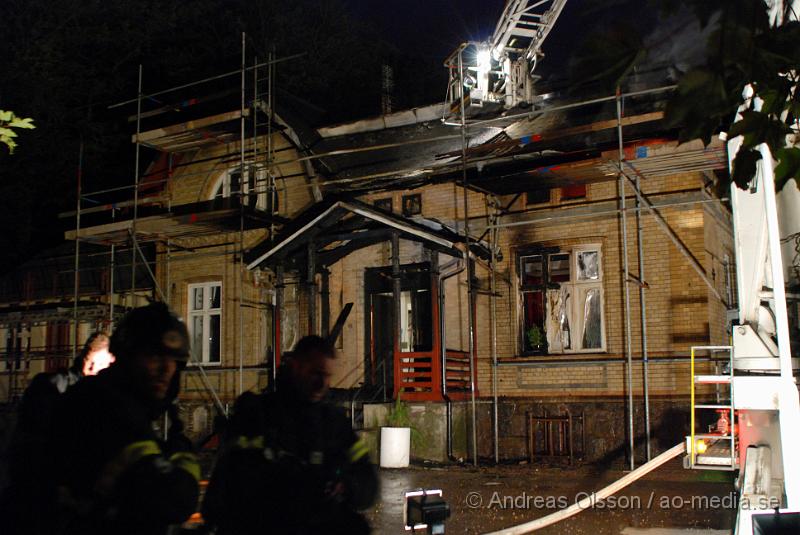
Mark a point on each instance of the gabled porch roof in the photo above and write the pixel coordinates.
(337, 228)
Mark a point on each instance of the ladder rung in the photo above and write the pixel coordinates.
(723, 467)
(713, 407)
(717, 437)
(712, 379)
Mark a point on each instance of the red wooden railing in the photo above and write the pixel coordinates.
(417, 376)
(457, 373)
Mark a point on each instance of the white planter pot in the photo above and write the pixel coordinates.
(395, 447)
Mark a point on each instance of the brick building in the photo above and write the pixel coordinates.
(257, 230)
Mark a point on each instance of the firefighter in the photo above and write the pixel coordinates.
(112, 473)
(40, 398)
(291, 463)
(20, 501)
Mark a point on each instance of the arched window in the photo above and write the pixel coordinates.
(255, 187)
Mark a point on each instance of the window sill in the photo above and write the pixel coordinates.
(600, 356)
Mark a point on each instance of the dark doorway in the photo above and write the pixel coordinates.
(416, 320)
(381, 340)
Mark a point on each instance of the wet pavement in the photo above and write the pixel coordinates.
(491, 498)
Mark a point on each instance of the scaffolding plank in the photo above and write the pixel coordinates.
(176, 134)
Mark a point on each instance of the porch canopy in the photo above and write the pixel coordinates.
(330, 230)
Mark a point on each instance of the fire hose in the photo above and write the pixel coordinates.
(592, 499)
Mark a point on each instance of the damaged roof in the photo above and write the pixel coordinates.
(519, 150)
(336, 228)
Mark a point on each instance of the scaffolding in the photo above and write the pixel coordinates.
(628, 174)
(166, 229)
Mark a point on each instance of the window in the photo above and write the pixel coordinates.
(205, 321)
(384, 204)
(539, 196)
(561, 292)
(256, 187)
(412, 205)
(571, 193)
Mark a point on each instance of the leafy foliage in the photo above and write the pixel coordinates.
(398, 415)
(743, 49)
(9, 121)
(535, 337)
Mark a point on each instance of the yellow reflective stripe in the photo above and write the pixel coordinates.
(135, 451)
(188, 462)
(358, 450)
(129, 455)
(246, 443)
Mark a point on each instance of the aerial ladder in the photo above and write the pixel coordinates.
(500, 71)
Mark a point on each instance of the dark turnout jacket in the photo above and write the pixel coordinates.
(112, 473)
(24, 503)
(289, 467)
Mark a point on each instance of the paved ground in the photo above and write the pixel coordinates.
(487, 499)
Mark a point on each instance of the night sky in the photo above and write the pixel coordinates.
(65, 61)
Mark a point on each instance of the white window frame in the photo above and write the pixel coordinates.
(206, 314)
(576, 289)
(222, 188)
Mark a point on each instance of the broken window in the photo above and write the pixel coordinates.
(558, 331)
(592, 320)
(257, 187)
(588, 265)
(205, 313)
(533, 307)
(562, 300)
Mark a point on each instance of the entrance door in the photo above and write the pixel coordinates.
(416, 321)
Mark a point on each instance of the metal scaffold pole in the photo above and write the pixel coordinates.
(77, 279)
(495, 232)
(136, 187)
(470, 289)
(111, 270)
(643, 325)
(625, 280)
(242, 199)
(167, 274)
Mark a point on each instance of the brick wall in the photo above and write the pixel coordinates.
(681, 312)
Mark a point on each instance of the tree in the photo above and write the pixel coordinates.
(9, 121)
(744, 48)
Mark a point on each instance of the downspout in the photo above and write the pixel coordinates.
(443, 275)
